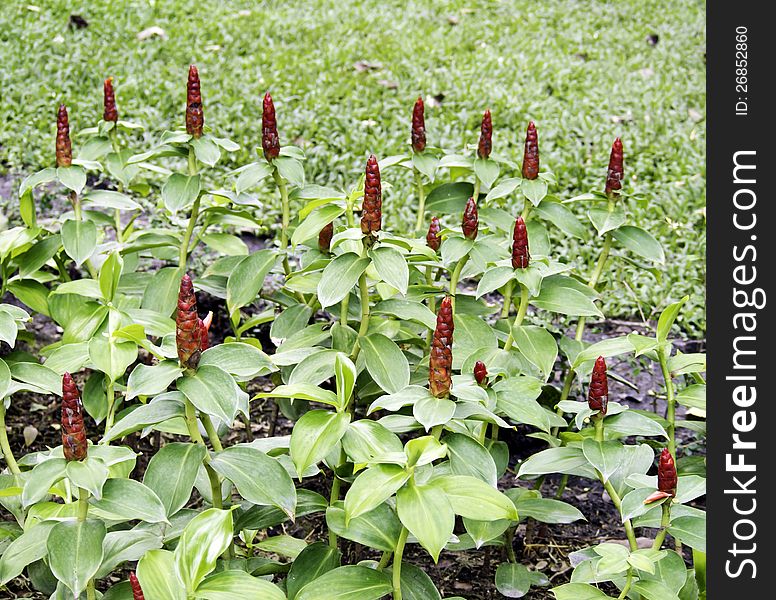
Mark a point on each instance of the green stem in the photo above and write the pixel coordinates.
(286, 217)
(13, 467)
(397, 556)
(665, 521)
(336, 485)
(455, 277)
(599, 436)
(670, 401)
(626, 589)
(431, 303)
(83, 504)
(526, 210)
(421, 203)
(518, 317)
(111, 396)
(184, 251)
(114, 142)
(476, 191)
(212, 433)
(507, 298)
(509, 542)
(196, 436)
(363, 288)
(384, 560)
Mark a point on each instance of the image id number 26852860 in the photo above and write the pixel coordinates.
(742, 71)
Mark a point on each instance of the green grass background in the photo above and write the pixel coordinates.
(583, 70)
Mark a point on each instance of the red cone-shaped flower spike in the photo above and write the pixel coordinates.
(433, 240)
(270, 141)
(110, 112)
(64, 149)
(137, 591)
(418, 126)
(666, 473)
(372, 207)
(189, 328)
(616, 171)
(470, 222)
(481, 372)
(531, 153)
(598, 393)
(441, 359)
(521, 257)
(73, 429)
(195, 119)
(486, 136)
(324, 237)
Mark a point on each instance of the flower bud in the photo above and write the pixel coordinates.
(433, 239)
(486, 136)
(189, 329)
(440, 363)
(481, 373)
(137, 591)
(110, 112)
(270, 141)
(372, 207)
(73, 429)
(418, 126)
(616, 172)
(64, 149)
(598, 393)
(521, 257)
(195, 119)
(324, 238)
(470, 221)
(531, 153)
(666, 473)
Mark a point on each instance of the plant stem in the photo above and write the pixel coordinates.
(431, 303)
(455, 276)
(397, 563)
(83, 504)
(476, 191)
(196, 436)
(76, 202)
(212, 433)
(336, 485)
(509, 543)
(363, 288)
(518, 317)
(508, 287)
(184, 253)
(626, 589)
(421, 203)
(286, 218)
(13, 467)
(670, 400)
(384, 560)
(665, 521)
(110, 394)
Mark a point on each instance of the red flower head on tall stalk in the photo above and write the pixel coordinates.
(440, 363)
(418, 126)
(531, 153)
(470, 222)
(616, 172)
(110, 112)
(372, 207)
(137, 591)
(324, 238)
(666, 473)
(598, 392)
(433, 239)
(64, 149)
(73, 429)
(486, 136)
(521, 257)
(481, 373)
(191, 334)
(195, 118)
(270, 141)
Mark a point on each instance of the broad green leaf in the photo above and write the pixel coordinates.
(557, 460)
(639, 242)
(24, 550)
(75, 552)
(605, 220)
(565, 301)
(127, 500)
(350, 582)
(158, 578)
(493, 279)
(430, 411)
(667, 318)
(79, 239)
(111, 356)
(339, 277)
(487, 170)
(482, 532)
(654, 590)
(379, 528)
(315, 560)
(513, 580)
(38, 255)
(72, 177)
(110, 273)
(578, 591)
(606, 348)
(252, 174)
(547, 510)
(392, 267)
(373, 487)
(126, 545)
(690, 530)
(449, 198)
(426, 512)
(314, 222)
(693, 396)
(206, 150)
(237, 585)
(562, 217)
(243, 361)
(424, 450)
(284, 545)
(469, 457)
(90, 474)
(534, 189)
(147, 380)
(473, 498)
(203, 540)
(369, 442)
(385, 362)
(303, 391)
(171, 474)
(606, 457)
(259, 479)
(538, 346)
(180, 191)
(247, 278)
(109, 199)
(290, 169)
(159, 410)
(161, 293)
(345, 374)
(42, 477)
(314, 436)
(212, 391)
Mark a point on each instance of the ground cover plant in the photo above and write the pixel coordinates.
(342, 73)
(402, 360)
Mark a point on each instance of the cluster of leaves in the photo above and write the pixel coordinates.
(398, 378)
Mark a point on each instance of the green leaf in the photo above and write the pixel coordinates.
(373, 487)
(534, 189)
(161, 293)
(606, 457)
(158, 578)
(290, 169)
(38, 255)
(89, 474)
(379, 528)
(605, 220)
(147, 381)
(109, 199)
(303, 391)
(127, 500)
(159, 410)
(237, 585)
(315, 560)
(212, 391)
(392, 267)
(5, 375)
(409, 310)
(340, 277)
(639, 242)
(243, 361)
(79, 239)
(556, 460)
(690, 530)
(314, 436)
(369, 442)
(171, 473)
(493, 279)
(693, 396)
(203, 540)
(538, 346)
(606, 348)
(547, 510)
(562, 217)
(225, 243)
(667, 318)
(504, 188)
(345, 374)
(578, 591)
(126, 545)
(29, 547)
(180, 191)
(206, 150)
(487, 170)
(247, 279)
(111, 356)
(73, 178)
(426, 512)
(416, 584)
(565, 300)
(449, 198)
(350, 582)
(423, 451)
(284, 545)
(75, 552)
(385, 362)
(473, 498)
(468, 457)
(430, 411)
(252, 174)
(314, 222)
(654, 590)
(259, 479)
(513, 580)
(42, 477)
